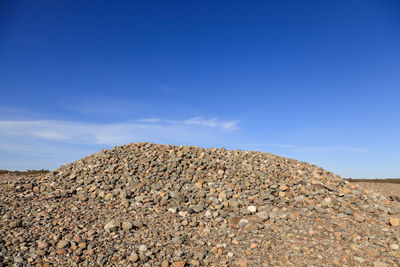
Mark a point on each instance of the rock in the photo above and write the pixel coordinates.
(112, 226)
(222, 195)
(379, 264)
(348, 211)
(179, 264)
(42, 245)
(252, 209)
(359, 218)
(16, 223)
(243, 222)
(137, 224)
(359, 259)
(394, 198)
(109, 196)
(394, 246)
(126, 225)
(262, 216)
(394, 222)
(393, 210)
(164, 264)
(133, 257)
(63, 244)
(242, 263)
(143, 248)
(283, 187)
(173, 210)
(197, 208)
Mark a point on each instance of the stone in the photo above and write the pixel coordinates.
(394, 198)
(393, 210)
(359, 218)
(394, 222)
(348, 211)
(252, 209)
(137, 224)
(61, 251)
(197, 208)
(380, 264)
(42, 245)
(283, 187)
(109, 196)
(222, 195)
(242, 263)
(359, 259)
(394, 246)
(16, 223)
(112, 226)
(142, 248)
(179, 264)
(262, 215)
(133, 257)
(63, 244)
(126, 225)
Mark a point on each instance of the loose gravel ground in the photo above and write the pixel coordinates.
(161, 205)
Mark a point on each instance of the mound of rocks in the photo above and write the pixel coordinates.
(145, 204)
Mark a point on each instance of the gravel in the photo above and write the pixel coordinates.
(145, 204)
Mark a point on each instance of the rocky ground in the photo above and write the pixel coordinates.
(161, 205)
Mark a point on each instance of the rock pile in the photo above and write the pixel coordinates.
(161, 205)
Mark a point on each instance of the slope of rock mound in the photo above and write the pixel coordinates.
(161, 205)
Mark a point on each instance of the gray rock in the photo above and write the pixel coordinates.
(126, 225)
(348, 211)
(63, 244)
(112, 226)
(143, 248)
(252, 209)
(262, 216)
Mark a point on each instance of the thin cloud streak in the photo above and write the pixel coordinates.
(152, 129)
(230, 125)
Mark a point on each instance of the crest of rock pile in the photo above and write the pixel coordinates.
(161, 205)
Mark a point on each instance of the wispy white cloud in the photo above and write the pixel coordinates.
(149, 120)
(215, 123)
(150, 129)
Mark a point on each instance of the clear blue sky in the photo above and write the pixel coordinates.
(318, 81)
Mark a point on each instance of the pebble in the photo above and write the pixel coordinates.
(112, 226)
(252, 209)
(359, 218)
(379, 264)
(63, 244)
(394, 222)
(179, 264)
(142, 248)
(126, 225)
(42, 244)
(262, 215)
(359, 259)
(133, 257)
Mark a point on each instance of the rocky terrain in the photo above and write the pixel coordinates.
(161, 205)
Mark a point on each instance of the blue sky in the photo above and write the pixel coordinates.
(313, 80)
